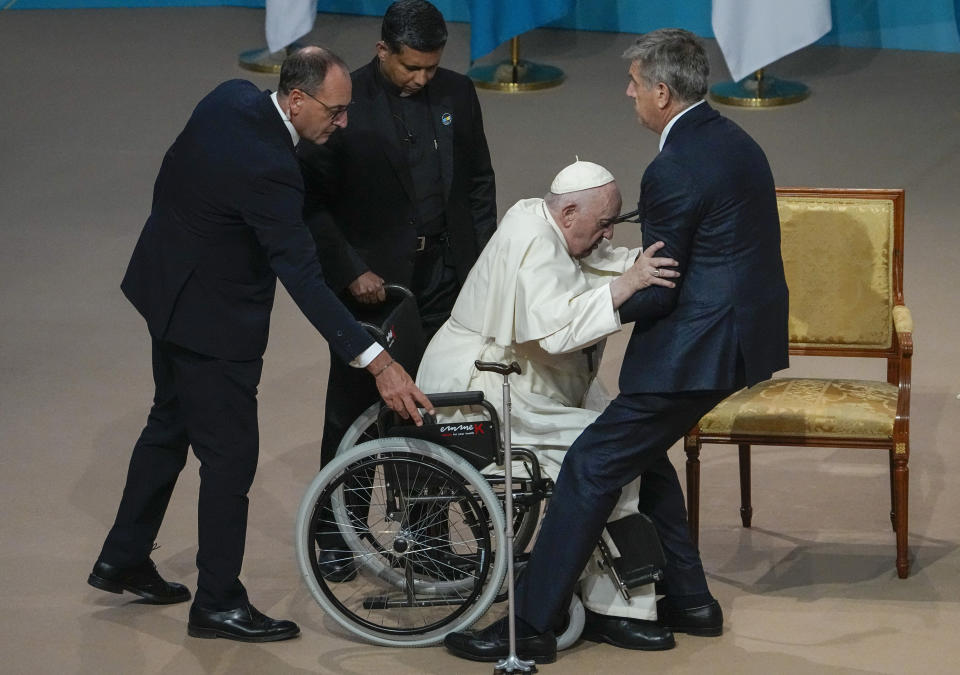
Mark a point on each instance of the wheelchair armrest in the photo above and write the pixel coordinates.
(456, 398)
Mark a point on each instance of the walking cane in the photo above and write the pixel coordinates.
(511, 664)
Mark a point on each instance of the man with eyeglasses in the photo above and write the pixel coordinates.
(403, 195)
(226, 223)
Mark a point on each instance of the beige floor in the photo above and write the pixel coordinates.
(92, 99)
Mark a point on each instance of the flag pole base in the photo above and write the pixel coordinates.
(515, 75)
(759, 91)
(264, 61)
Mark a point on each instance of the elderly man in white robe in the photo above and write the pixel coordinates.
(545, 293)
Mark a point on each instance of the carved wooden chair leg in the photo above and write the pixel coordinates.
(901, 478)
(691, 444)
(746, 507)
(893, 494)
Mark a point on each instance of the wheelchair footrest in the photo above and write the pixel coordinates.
(640, 560)
(633, 576)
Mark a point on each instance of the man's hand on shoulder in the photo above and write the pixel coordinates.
(368, 288)
(397, 389)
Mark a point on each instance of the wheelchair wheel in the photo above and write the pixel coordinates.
(525, 521)
(414, 516)
(364, 429)
(577, 619)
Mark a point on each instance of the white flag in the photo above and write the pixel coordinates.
(288, 20)
(754, 33)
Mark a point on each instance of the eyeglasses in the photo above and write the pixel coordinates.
(630, 217)
(334, 112)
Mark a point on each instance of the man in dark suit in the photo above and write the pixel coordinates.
(226, 223)
(709, 195)
(404, 195)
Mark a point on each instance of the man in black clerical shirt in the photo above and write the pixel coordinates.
(404, 194)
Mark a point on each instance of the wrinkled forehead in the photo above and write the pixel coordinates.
(603, 203)
(609, 196)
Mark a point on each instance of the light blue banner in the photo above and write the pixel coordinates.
(925, 25)
(496, 21)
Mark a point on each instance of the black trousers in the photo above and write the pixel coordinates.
(629, 439)
(211, 405)
(350, 391)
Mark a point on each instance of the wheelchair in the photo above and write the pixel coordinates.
(409, 510)
(416, 515)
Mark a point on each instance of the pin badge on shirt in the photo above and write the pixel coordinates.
(446, 119)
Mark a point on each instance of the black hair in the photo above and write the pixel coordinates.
(414, 23)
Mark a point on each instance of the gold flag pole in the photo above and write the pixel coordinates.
(264, 61)
(516, 75)
(759, 91)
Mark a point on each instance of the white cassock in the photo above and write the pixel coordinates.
(527, 300)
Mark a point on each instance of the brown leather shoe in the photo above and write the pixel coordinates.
(142, 580)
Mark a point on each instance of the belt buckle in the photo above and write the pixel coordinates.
(421, 243)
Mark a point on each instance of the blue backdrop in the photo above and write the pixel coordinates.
(929, 25)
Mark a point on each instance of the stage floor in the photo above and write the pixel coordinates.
(91, 101)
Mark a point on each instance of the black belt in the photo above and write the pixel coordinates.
(430, 240)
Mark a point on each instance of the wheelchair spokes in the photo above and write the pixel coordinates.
(416, 530)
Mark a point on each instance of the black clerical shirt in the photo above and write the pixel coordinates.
(417, 133)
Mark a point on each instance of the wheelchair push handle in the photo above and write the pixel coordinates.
(397, 291)
(499, 368)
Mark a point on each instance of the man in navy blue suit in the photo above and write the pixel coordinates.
(709, 196)
(225, 224)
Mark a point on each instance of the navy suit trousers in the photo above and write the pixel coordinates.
(629, 439)
(211, 405)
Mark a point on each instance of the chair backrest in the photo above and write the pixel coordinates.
(843, 259)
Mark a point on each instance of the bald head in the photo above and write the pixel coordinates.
(307, 68)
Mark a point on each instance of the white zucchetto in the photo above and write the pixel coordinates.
(580, 176)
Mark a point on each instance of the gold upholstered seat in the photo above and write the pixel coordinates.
(843, 259)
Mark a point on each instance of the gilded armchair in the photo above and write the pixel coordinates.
(843, 258)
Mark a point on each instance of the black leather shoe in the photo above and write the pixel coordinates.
(245, 624)
(706, 620)
(336, 567)
(493, 643)
(627, 633)
(142, 580)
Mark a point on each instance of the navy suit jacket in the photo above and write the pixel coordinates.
(226, 222)
(709, 195)
(360, 200)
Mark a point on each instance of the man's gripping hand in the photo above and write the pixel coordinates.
(368, 288)
(397, 389)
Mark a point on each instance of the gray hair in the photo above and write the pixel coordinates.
(675, 57)
(307, 68)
